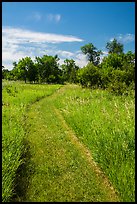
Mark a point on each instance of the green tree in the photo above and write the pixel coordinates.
(89, 75)
(92, 53)
(69, 70)
(14, 72)
(114, 47)
(32, 72)
(47, 69)
(113, 60)
(14, 65)
(22, 69)
(5, 73)
(118, 72)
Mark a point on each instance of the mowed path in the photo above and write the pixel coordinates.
(60, 168)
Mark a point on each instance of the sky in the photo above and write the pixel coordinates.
(50, 28)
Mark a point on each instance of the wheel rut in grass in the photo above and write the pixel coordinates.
(86, 153)
(64, 168)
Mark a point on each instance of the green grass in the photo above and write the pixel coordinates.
(105, 124)
(43, 161)
(60, 171)
(16, 98)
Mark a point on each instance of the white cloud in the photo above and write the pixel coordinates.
(21, 35)
(105, 53)
(37, 16)
(54, 17)
(61, 61)
(124, 38)
(34, 16)
(80, 59)
(111, 39)
(57, 17)
(65, 54)
(18, 43)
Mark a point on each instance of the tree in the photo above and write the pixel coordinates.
(114, 47)
(14, 65)
(89, 76)
(23, 67)
(69, 70)
(118, 72)
(48, 69)
(92, 53)
(32, 72)
(113, 60)
(5, 73)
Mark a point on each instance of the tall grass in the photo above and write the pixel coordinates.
(105, 123)
(102, 121)
(16, 97)
(58, 169)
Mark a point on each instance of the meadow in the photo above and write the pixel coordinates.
(105, 123)
(47, 117)
(16, 98)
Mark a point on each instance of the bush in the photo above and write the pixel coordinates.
(117, 87)
(89, 76)
(118, 72)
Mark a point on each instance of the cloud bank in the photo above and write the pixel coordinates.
(18, 43)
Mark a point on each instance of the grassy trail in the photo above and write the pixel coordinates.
(58, 166)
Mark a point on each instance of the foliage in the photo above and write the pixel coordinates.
(92, 53)
(116, 72)
(113, 60)
(5, 74)
(23, 68)
(69, 70)
(47, 69)
(89, 76)
(114, 47)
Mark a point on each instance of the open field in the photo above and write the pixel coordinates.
(65, 143)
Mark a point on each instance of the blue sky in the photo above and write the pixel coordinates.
(38, 28)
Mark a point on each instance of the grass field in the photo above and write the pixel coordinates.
(16, 98)
(50, 145)
(105, 123)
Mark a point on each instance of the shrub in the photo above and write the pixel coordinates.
(89, 76)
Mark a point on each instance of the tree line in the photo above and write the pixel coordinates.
(116, 72)
(45, 69)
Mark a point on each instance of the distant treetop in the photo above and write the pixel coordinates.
(114, 47)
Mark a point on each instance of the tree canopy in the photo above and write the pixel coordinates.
(92, 53)
(69, 70)
(114, 47)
